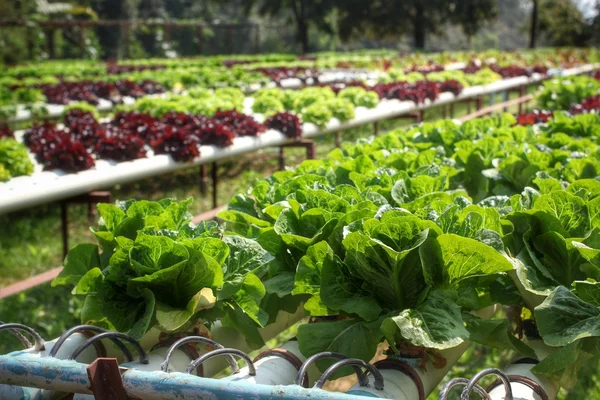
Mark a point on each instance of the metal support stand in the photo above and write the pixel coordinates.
(418, 116)
(522, 92)
(478, 103)
(505, 98)
(90, 199)
(338, 139)
(376, 128)
(105, 379)
(203, 180)
(308, 144)
(64, 217)
(215, 182)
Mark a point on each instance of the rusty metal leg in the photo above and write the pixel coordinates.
(105, 379)
(338, 139)
(311, 150)
(64, 217)
(505, 98)
(376, 128)
(451, 109)
(281, 158)
(203, 180)
(419, 116)
(478, 103)
(309, 146)
(215, 183)
(522, 91)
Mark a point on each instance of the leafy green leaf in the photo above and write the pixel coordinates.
(564, 318)
(436, 323)
(78, 262)
(466, 258)
(353, 338)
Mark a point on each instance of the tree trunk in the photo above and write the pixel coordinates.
(303, 35)
(419, 26)
(50, 44)
(298, 7)
(533, 28)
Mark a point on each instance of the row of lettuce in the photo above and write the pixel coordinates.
(59, 82)
(178, 124)
(399, 238)
(33, 94)
(369, 59)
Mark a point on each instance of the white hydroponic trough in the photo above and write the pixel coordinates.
(46, 186)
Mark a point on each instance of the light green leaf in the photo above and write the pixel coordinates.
(79, 260)
(437, 323)
(564, 318)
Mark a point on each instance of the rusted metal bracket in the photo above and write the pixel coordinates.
(105, 379)
(214, 174)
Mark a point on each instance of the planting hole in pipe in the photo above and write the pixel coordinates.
(488, 371)
(530, 383)
(24, 341)
(352, 362)
(406, 369)
(107, 335)
(197, 339)
(87, 329)
(224, 351)
(461, 382)
(39, 342)
(303, 375)
(286, 355)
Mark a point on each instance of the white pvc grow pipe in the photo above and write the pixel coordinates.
(178, 362)
(521, 389)
(275, 370)
(43, 187)
(225, 336)
(9, 392)
(399, 385)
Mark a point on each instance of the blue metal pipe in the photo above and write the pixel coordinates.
(71, 377)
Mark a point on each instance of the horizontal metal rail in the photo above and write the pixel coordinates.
(73, 377)
(29, 283)
(497, 107)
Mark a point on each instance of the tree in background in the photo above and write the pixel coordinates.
(595, 27)
(384, 18)
(109, 36)
(472, 15)
(559, 23)
(562, 23)
(17, 43)
(533, 24)
(303, 13)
